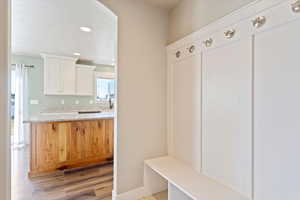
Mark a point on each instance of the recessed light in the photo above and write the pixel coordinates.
(85, 29)
(76, 54)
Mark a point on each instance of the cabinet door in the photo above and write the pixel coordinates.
(98, 128)
(46, 146)
(109, 136)
(85, 81)
(64, 133)
(87, 135)
(78, 142)
(67, 77)
(227, 115)
(277, 124)
(186, 139)
(52, 84)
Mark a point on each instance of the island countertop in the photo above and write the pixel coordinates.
(62, 117)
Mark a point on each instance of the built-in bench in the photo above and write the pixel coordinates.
(190, 182)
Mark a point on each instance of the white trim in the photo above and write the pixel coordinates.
(240, 14)
(169, 103)
(132, 194)
(58, 57)
(117, 123)
(105, 75)
(4, 99)
(87, 67)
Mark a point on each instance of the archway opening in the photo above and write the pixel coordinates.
(63, 99)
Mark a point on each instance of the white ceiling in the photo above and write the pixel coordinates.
(168, 4)
(52, 26)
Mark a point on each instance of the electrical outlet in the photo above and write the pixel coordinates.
(34, 102)
(62, 101)
(77, 102)
(91, 101)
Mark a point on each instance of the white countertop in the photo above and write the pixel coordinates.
(72, 116)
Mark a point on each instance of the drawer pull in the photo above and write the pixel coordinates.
(178, 54)
(53, 127)
(99, 124)
(208, 42)
(229, 34)
(296, 6)
(259, 21)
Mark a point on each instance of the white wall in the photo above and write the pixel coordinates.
(191, 15)
(142, 88)
(142, 68)
(4, 166)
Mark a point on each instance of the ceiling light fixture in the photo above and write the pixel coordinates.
(85, 29)
(76, 54)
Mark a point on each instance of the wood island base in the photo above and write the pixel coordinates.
(66, 145)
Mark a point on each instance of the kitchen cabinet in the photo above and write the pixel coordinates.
(47, 146)
(64, 145)
(59, 75)
(227, 115)
(276, 113)
(85, 80)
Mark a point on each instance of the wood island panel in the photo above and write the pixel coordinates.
(66, 145)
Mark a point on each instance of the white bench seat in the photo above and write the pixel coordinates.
(193, 184)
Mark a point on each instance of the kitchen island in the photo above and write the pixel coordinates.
(70, 140)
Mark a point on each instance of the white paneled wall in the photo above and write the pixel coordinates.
(227, 109)
(187, 110)
(276, 114)
(234, 100)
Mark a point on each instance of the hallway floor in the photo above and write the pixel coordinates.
(83, 184)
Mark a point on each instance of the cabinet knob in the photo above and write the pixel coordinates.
(178, 54)
(259, 21)
(296, 6)
(229, 34)
(208, 42)
(192, 49)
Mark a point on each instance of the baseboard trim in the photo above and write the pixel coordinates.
(132, 194)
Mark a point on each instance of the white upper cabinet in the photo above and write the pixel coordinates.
(59, 75)
(227, 114)
(85, 80)
(277, 111)
(52, 82)
(67, 76)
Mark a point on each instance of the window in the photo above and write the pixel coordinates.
(13, 82)
(105, 89)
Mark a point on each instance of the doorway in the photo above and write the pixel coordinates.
(62, 114)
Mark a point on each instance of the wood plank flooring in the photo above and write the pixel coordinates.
(159, 196)
(94, 183)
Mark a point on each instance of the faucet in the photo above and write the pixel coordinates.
(111, 104)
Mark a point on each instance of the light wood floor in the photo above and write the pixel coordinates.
(85, 184)
(159, 196)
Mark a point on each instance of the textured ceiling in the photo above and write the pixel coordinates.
(168, 4)
(52, 26)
